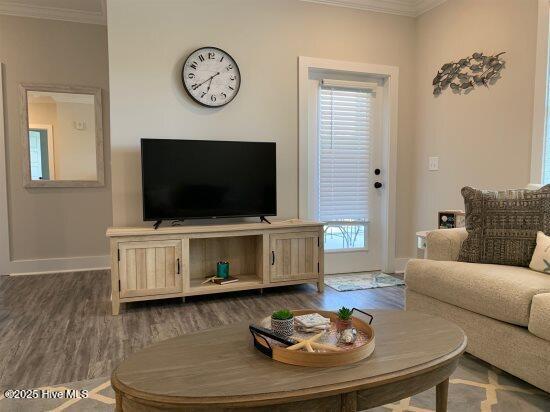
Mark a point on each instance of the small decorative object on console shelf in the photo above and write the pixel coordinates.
(282, 322)
(450, 219)
(223, 269)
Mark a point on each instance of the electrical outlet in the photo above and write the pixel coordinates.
(433, 163)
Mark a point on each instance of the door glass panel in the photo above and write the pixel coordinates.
(345, 140)
(344, 235)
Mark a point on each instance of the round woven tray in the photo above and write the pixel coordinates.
(348, 353)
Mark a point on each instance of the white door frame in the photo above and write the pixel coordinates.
(540, 98)
(306, 172)
(4, 222)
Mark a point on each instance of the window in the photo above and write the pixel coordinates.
(344, 154)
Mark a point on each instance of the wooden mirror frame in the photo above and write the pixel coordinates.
(24, 88)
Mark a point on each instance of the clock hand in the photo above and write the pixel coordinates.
(195, 87)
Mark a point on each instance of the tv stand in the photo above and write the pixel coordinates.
(174, 261)
(263, 219)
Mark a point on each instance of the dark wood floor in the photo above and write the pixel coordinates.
(58, 328)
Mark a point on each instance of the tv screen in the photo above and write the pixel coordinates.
(190, 179)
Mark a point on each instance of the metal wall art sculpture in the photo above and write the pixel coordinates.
(464, 75)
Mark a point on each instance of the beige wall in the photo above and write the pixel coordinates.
(53, 223)
(483, 139)
(149, 41)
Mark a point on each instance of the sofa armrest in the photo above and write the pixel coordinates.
(444, 244)
(539, 318)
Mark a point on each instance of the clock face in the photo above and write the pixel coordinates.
(211, 77)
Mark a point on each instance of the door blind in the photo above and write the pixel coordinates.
(345, 134)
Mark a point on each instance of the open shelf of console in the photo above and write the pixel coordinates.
(174, 261)
(244, 254)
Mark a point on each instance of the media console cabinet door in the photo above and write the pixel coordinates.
(150, 268)
(294, 256)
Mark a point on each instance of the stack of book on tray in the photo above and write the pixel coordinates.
(312, 322)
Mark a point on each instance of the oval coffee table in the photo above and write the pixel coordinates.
(219, 369)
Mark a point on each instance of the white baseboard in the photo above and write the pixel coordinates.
(57, 265)
(399, 264)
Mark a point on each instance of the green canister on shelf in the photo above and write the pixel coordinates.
(223, 270)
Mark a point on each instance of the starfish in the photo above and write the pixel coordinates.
(310, 344)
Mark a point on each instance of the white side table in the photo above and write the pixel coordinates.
(421, 249)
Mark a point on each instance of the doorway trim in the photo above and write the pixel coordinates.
(390, 75)
(4, 220)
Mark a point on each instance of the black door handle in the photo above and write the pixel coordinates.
(377, 185)
(272, 257)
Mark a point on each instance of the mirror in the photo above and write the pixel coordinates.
(62, 136)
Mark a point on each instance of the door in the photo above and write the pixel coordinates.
(150, 268)
(294, 256)
(349, 177)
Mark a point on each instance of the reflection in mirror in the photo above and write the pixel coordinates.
(62, 136)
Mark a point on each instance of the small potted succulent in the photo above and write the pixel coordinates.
(344, 319)
(282, 322)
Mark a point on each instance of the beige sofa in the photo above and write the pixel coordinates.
(504, 310)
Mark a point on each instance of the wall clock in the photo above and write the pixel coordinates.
(211, 77)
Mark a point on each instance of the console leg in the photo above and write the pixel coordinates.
(116, 306)
(183, 299)
(320, 286)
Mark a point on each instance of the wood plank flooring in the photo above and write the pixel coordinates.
(58, 328)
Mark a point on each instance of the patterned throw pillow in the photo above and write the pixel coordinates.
(502, 226)
(541, 257)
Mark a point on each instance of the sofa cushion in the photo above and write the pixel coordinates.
(500, 292)
(502, 226)
(539, 321)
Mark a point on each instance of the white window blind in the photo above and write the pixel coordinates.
(345, 133)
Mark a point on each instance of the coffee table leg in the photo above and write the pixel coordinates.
(442, 392)
(118, 405)
(348, 402)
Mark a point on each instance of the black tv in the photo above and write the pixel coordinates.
(194, 179)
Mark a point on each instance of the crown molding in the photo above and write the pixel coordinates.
(21, 9)
(422, 6)
(410, 8)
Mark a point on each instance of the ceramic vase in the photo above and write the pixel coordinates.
(283, 327)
